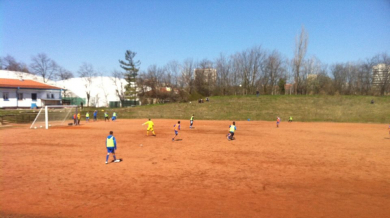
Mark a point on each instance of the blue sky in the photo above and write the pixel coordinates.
(99, 32)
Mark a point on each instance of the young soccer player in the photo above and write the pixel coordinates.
(78, 118)
(95, 115)
(75, 119)
(150, 127)
(111, 147)
(113, 116)
(87, 116)
(176, 127)
(232, 129)
(290, 120)
(191, 121)
(106, 117)
(277, 122)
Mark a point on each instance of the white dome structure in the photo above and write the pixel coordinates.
(101, 89)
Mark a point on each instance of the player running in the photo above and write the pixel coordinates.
(150, 127)
(87, 116)
(106, 118)
(113, 116)
(191, 121)
(232, 129)
(111, 147)
(176, 128)
(277, 122)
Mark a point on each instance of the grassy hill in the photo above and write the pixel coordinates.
(302, 108)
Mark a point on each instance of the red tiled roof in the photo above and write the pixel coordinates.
(26, 84)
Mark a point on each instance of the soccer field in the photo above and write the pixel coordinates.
(296, 170)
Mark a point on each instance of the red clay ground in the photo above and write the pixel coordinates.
(297, 170)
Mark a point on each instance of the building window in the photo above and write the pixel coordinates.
(47, 95)
(34, 96)
(20, 96)
(52, 96)
(5, 96)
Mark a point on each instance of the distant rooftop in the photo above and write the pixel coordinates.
(24, 84)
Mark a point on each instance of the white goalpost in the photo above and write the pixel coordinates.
(54, 115)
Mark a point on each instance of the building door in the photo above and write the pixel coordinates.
(34, 96)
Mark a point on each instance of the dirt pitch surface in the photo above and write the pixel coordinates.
(297, 170)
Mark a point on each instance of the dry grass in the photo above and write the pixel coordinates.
(355, 109)
(302, 108)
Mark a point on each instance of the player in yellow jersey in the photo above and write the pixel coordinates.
(176, 128)
(191, 121)
(150, 127)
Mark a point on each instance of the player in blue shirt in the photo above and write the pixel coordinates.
(111, 147)
(95, 115)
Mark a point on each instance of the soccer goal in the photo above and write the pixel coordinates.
(54, 115)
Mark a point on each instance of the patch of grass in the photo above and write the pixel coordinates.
(355, 109)
(302, 108)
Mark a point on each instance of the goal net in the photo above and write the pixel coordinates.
(54, 115)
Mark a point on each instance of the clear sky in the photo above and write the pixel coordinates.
(100, 31)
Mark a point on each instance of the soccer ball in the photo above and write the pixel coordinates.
(35, 127)
(40, 126)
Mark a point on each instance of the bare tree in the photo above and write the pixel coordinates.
(308, 76)
(118, 79)
(274, 69)
(153, 76)
(204, 77)
(339, 77)
(365, 76)
(223, 74)
(249, 66)
(187, 73)
(300, 52)
(236, 77)
(325, 84)
(9, 63)
(87, 72)
(172, 69)
(43, 66)
(63, 74)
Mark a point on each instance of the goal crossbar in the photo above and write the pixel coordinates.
(59, 118)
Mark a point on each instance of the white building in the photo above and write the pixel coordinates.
(102, 89)
(209, 75)
(20, 93)
(381, 73)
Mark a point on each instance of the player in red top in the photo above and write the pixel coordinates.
(176, 128)
(277, 122)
